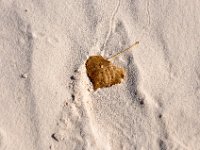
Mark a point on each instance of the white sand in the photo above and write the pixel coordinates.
(44, 42)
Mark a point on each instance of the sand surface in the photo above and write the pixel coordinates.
(47, 101)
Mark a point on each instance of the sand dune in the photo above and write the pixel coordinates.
(47, 101)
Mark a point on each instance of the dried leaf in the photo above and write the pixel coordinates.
(102, 73)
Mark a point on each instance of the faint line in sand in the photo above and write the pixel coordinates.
(148, 22)
(111, 24)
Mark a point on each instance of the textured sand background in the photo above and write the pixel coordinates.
(46, 99)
